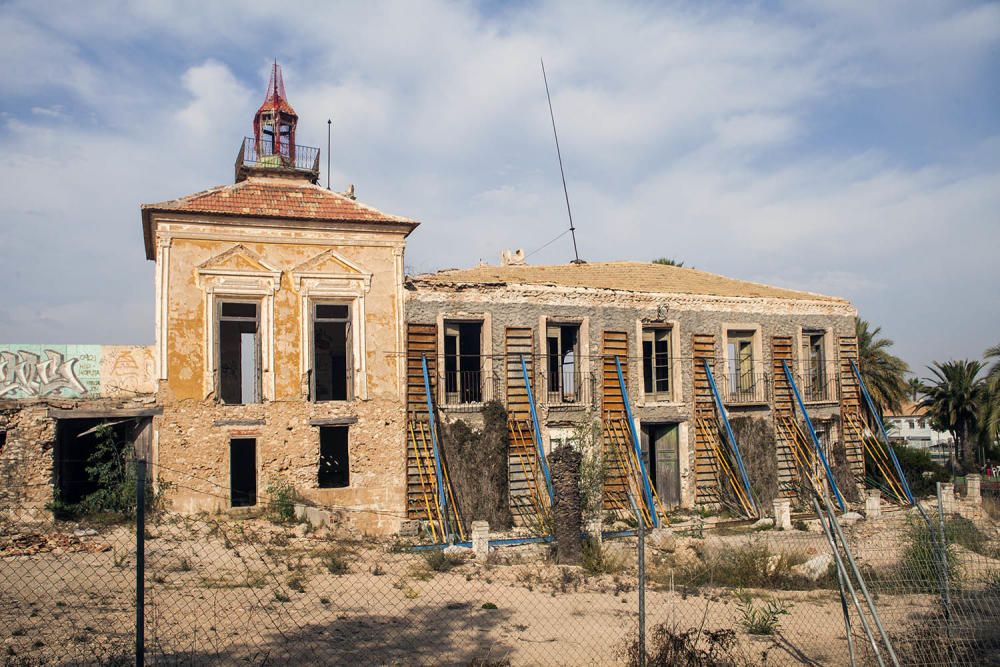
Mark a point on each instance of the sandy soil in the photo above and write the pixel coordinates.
(247, 591)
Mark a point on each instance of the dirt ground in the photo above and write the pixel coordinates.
(219, 590)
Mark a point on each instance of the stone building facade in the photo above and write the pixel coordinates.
(654, 306)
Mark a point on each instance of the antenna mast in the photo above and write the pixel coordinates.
(562, 173)
(329, 125)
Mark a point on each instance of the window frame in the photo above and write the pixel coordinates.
(757, 393)
(653, 394)
(559, 376)
(349, 344)
(220, 302)
(454, 398)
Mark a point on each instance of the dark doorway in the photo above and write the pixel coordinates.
(81, 443)
(243, 472)
(334, 463)
(660, 454)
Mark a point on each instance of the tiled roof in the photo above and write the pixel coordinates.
(270, 197)
(625, 276)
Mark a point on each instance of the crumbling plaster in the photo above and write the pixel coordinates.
(503, 306)
(193, 439)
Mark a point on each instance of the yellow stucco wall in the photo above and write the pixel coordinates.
(195, 430)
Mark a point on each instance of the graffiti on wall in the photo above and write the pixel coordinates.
(25, 373)
(75, 371)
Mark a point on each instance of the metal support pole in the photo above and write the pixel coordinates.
(536, 433)
(642, 588)
(812, 434)
(654, 516)
(442, 496)
(861, 583)
(140, 560)
(845, 579)
(847, 618)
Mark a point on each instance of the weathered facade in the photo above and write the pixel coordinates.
(657, 312)
(291, 349)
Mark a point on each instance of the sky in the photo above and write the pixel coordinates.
(848, 148)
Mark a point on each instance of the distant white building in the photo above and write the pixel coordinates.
(913, 428)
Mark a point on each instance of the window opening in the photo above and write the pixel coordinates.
(656, 363)
(563, 362)
(243, 472)
(463, 368)
(740, 355)
(334, 462)
(332, 364)
(814, 359)
(239, 352)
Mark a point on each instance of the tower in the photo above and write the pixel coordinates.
(272, 150)
(274, 125)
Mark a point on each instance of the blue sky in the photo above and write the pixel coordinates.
(850, 148)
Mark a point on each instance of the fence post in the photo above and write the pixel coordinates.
(943, 557)
(642, 588)
(140, 559)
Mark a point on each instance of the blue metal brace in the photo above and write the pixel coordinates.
(881, 429)
(536, 433)
(442, 496)
(729, 433)
(637, 445)
(815, 439)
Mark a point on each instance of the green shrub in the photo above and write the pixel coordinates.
(281, 501)
(669, 646)
(762, 620)
(921, 473)
(752, 564)
(111, 467)
(336, 562)
(598, 560)
(921, 565)
(438, 561)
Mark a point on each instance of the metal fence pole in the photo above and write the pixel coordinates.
(642, 589)
(140, 559)
(942, 553)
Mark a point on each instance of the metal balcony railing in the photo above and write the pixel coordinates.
(468, 390)
(568, 387)
(265, 154)
(817, 382)
(745, 388)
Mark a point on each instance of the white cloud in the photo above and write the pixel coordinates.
(690, 131)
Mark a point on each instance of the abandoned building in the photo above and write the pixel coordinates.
(291, 346)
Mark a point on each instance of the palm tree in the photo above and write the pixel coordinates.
(991, 406)
(882, 371)
(954, 400)
(913, 385)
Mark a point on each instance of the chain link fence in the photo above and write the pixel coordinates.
(266, 588)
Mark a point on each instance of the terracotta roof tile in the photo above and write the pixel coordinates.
(625, 276)
(278, 198)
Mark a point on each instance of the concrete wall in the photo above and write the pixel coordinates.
(75, 371)
(599, 310)
(281, 267)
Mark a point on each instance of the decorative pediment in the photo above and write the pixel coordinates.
(238, 269)
(331, 270)
(238, 258)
